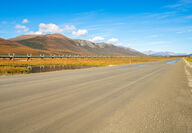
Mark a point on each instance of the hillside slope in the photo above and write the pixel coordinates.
(59, 44)
(7, 46)
(55, 43)
(107, 49)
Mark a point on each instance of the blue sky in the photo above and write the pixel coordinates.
(164, 25)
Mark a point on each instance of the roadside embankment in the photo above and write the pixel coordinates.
(20, 65)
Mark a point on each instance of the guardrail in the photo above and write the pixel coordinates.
(52, 56)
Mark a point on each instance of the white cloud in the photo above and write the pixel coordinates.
(113, 40)
(69, 28)
(97, 39)
(21, 28)
(129, 45)
(32, 33)
(124, 44)
(25, 21)
(80, 32)
(49, 28)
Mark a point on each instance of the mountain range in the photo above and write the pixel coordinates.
(162, 53)
(60, 44)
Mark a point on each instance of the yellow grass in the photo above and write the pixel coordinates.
(10, 69)
(189, 59)
(102, 61)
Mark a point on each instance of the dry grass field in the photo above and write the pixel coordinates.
(10, 69)
(18, 65)
(189, 59)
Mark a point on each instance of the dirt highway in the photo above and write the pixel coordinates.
(143, 98)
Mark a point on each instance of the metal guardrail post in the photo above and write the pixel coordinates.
(52, 56)
(42, 56)
(11, 57)
(29, 56)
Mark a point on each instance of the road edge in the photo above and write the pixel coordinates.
(188, 73)
(187, 63)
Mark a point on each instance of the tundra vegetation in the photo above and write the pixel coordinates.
(19, 65)
(189, 59)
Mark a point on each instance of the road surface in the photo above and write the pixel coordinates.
(144, 98)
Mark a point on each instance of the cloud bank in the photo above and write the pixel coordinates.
(97, 39)
(21, 28)
(25, 21)
(113, 40)
(80, 32)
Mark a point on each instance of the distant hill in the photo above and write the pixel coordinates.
(107, 49)
(164, 53)
(55, 43)
(7, 46)
(60, 44)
